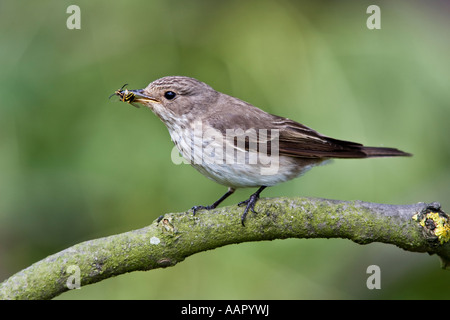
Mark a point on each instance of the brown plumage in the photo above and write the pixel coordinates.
(185, 104)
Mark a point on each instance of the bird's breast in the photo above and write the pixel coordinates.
(229, 164)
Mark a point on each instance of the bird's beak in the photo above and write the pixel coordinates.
(141, 97)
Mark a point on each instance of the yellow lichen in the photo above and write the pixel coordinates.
(441, 225)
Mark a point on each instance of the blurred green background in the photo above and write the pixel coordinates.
(76, 166)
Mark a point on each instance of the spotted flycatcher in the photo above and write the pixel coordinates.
(236, 144)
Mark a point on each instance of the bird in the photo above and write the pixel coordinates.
(236, 144)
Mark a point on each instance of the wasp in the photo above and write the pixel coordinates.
(124, 94)
(133, 97)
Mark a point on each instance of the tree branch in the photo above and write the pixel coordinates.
(173, 237)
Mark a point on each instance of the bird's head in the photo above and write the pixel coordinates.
(172, 97)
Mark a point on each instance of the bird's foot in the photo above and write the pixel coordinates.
(249, 205)
(215, 204)
(196, 208)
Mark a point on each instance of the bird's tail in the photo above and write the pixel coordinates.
(372, 152)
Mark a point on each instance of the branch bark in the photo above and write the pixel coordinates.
(173, 237)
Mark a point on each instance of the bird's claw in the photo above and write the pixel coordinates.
(196, 208)
(250, 205)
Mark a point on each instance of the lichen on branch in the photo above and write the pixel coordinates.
(175, 236)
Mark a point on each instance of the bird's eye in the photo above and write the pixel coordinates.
(169, 95)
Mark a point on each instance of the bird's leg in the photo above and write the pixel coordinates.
(250, 203)
(215, 204)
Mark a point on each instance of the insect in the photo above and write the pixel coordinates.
(125, 95)
(130, 96)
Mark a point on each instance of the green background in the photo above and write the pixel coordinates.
(75, 165)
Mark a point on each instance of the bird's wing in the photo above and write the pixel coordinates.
(297, 140)
(287, 137)
(290, 138)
